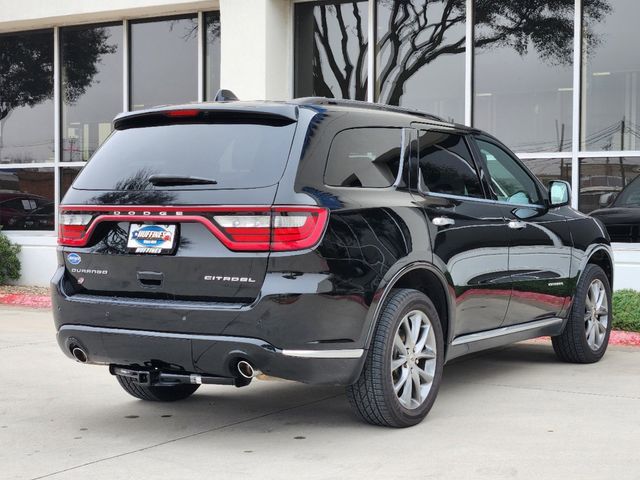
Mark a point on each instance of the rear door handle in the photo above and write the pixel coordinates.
(517, 225)
(443, 221)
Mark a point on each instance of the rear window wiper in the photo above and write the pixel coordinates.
(171, 180)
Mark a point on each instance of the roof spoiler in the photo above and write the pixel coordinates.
(224, 95)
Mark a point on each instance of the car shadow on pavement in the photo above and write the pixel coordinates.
(283, 404)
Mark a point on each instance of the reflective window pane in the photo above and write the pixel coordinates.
(510, 182)
(91, 60)
(212, 54)
(67, 176)
(446, 165)
(164, 67)
(547, 169)
(611, 80)
(331, 49)
(421, 55)
(26, 199)
(364, 157)
(26, 97)
(523, 76)
(603, 179)
(610, 191)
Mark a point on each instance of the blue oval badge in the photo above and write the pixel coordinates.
(74, 258)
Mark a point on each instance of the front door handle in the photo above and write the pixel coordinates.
(517, 225)
(443, 221)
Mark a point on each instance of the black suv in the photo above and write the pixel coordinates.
(322, 241)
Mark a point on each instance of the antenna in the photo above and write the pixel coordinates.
(225, 96)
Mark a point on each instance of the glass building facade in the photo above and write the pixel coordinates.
(558, 80)
(60, 89)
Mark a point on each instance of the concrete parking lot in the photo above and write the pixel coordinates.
(510, 413)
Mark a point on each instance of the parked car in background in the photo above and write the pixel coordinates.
(42, 218)
(621, 213)
(321, 241)
(16, 208)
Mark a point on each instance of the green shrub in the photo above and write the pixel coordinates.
(626, 310)
(9, 262)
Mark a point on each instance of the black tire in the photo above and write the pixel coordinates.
(156, 394)
(572, 345)
(372, 396)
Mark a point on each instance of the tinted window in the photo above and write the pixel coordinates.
(212, 54)
(331, 49)
(164, 62)
(603, 180)
(92, 87)
(421, 53)
(22, 192)
(610, 73)
(523, 75)
(510, 181)
(630, 196)
(364, 157)
(446, 165)
(236, 156)
(26, 97)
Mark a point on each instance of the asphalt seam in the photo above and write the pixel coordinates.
(191, 435)
(541, 389)
(7, 347)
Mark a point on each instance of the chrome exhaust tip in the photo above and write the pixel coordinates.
(246, 370)
(79, 354)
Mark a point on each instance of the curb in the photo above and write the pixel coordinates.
(618, 337)
(25, 300)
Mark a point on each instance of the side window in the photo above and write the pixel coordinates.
(364, 157)
(446, 165)
(510, 181)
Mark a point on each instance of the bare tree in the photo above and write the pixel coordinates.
(420, 31)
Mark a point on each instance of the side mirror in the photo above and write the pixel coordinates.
(559, 193)
(606, 199)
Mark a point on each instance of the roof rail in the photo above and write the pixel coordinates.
(366, 105)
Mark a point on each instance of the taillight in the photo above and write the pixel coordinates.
(72, 229)
(287, 228)
(184, 113)
(241, 229)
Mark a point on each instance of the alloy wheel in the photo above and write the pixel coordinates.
(596, 316)
(413, 359)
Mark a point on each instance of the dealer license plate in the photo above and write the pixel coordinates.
(156, 238)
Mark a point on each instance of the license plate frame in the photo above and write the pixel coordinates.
(152, 238)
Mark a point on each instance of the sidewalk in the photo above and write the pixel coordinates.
(510, 413)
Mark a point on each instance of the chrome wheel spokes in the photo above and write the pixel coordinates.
(596, 314)
(413, 359)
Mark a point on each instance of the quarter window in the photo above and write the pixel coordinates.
(510, 181)
(364, 157)
(446, 165)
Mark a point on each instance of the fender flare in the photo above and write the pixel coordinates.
(590, 252)
(385, 287)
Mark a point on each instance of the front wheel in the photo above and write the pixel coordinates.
(401, 375)
(155, 393)
(586, 335)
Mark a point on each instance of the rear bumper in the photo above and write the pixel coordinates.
(209, 354)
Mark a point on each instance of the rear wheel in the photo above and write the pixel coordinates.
(155, 393)
(586, 335)
(401, 376)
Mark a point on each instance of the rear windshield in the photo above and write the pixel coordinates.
(242, 155)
